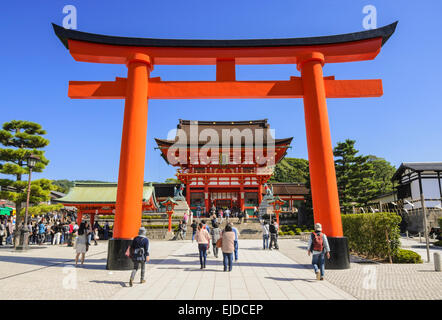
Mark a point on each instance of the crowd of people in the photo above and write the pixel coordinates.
(51, 230)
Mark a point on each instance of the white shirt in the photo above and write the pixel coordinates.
(265, 229)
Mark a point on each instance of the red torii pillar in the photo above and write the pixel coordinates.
(132, 155)
(320, 151)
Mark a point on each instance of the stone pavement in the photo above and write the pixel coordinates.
(48, 272)
(375, 281)
(258, 275)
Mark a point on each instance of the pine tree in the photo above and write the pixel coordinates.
(346, 171)
(21, 139)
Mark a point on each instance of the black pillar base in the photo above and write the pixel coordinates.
(339, 253)
(116, 255)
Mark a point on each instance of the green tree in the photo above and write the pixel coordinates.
(383, 172)
(354, 175)
(63, 185)
(360, 178)
(21, 139)
(172, 180)
(290, 170)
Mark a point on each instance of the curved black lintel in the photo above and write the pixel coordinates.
(68, 34)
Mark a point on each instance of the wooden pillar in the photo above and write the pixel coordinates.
(188, 194)
(440, 187)
(170, 221)
(79, 217)
(92, 221)
(133, 149)
(206, 197)
(241, 198)
(320, 152)
(424, 215)
(259, 194)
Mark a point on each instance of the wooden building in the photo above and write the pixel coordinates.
(219, 172)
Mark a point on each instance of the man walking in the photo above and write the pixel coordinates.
(318, 246)
(139, 250)
(273, 229)
(194, 227)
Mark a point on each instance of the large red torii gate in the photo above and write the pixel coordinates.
(141, 54)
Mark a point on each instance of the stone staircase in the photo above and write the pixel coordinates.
(247, 230)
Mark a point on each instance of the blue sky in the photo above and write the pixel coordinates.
(85, 135)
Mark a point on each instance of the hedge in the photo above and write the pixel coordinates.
(366, 233)
(293, 229)
(438, 243)
(407, 256)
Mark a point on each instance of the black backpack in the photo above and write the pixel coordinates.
(272, 228)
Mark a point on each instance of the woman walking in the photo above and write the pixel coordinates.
(215, 232)
(203, 239)
(228, 246)
(82, 244)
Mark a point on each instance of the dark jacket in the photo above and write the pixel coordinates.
(141, 242)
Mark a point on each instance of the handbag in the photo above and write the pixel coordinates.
(219, 243)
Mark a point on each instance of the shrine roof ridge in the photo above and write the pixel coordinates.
(68, 34)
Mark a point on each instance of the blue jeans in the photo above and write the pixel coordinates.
(227, 260)
(193, 235)
(236, 249)
(203, 253)
(265, 241)
(318, 261)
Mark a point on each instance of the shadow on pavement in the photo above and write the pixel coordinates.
(52, 262)
(219, 262)
(290, 279)
(121, 283)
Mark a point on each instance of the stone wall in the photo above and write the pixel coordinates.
(415, 221)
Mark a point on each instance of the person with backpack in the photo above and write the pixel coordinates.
(319, 247)
(139, 253)
(273, 229)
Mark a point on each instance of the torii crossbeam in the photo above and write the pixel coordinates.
(141, 54)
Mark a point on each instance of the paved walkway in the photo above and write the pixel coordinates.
(375, 281)
(48, 272)
(257, 275)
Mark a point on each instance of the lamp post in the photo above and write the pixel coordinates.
(24, 231)
(169, 203)
(277, 203)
